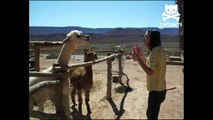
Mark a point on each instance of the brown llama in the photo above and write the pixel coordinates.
(82, 80)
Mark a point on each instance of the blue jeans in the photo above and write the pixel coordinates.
(154, 101)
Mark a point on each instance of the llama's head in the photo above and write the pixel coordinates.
(89, 55)
(76, 37)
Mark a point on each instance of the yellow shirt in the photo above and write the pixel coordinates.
(157, 62)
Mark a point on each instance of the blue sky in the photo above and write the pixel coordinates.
(97, 14)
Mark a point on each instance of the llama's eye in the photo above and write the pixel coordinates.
(78, 36)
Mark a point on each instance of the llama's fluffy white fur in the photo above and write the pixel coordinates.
(74, 39)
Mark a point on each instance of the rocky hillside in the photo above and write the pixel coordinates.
(106, 31)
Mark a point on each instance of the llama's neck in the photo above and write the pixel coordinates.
(89, 70)
(65, 53)
(63, 59)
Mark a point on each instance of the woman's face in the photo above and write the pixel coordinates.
(147, 39)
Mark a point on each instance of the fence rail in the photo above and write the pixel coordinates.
(56, 78)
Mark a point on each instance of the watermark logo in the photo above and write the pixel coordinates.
(171, 12)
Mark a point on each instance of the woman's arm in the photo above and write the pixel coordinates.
(141, 60)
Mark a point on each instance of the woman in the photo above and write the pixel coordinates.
(155, 68)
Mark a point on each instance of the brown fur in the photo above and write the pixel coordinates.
(82, 80)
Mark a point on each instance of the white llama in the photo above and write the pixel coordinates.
(74, 39)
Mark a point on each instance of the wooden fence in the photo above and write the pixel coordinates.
(109, 60)
(112, 55)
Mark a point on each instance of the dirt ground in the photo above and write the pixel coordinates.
(126, 104)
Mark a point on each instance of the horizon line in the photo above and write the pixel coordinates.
(102, 27)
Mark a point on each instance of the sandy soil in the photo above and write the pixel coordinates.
(127, 104)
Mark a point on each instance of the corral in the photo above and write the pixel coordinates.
(129, 96)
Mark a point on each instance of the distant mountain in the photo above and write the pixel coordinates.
(125, 31)
(65, 30)
(34, 31)
(169, 31)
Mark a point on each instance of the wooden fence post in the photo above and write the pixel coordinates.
(109, 78)
(37, 54)
(120, 71)
(64, 106)
(65, 90)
